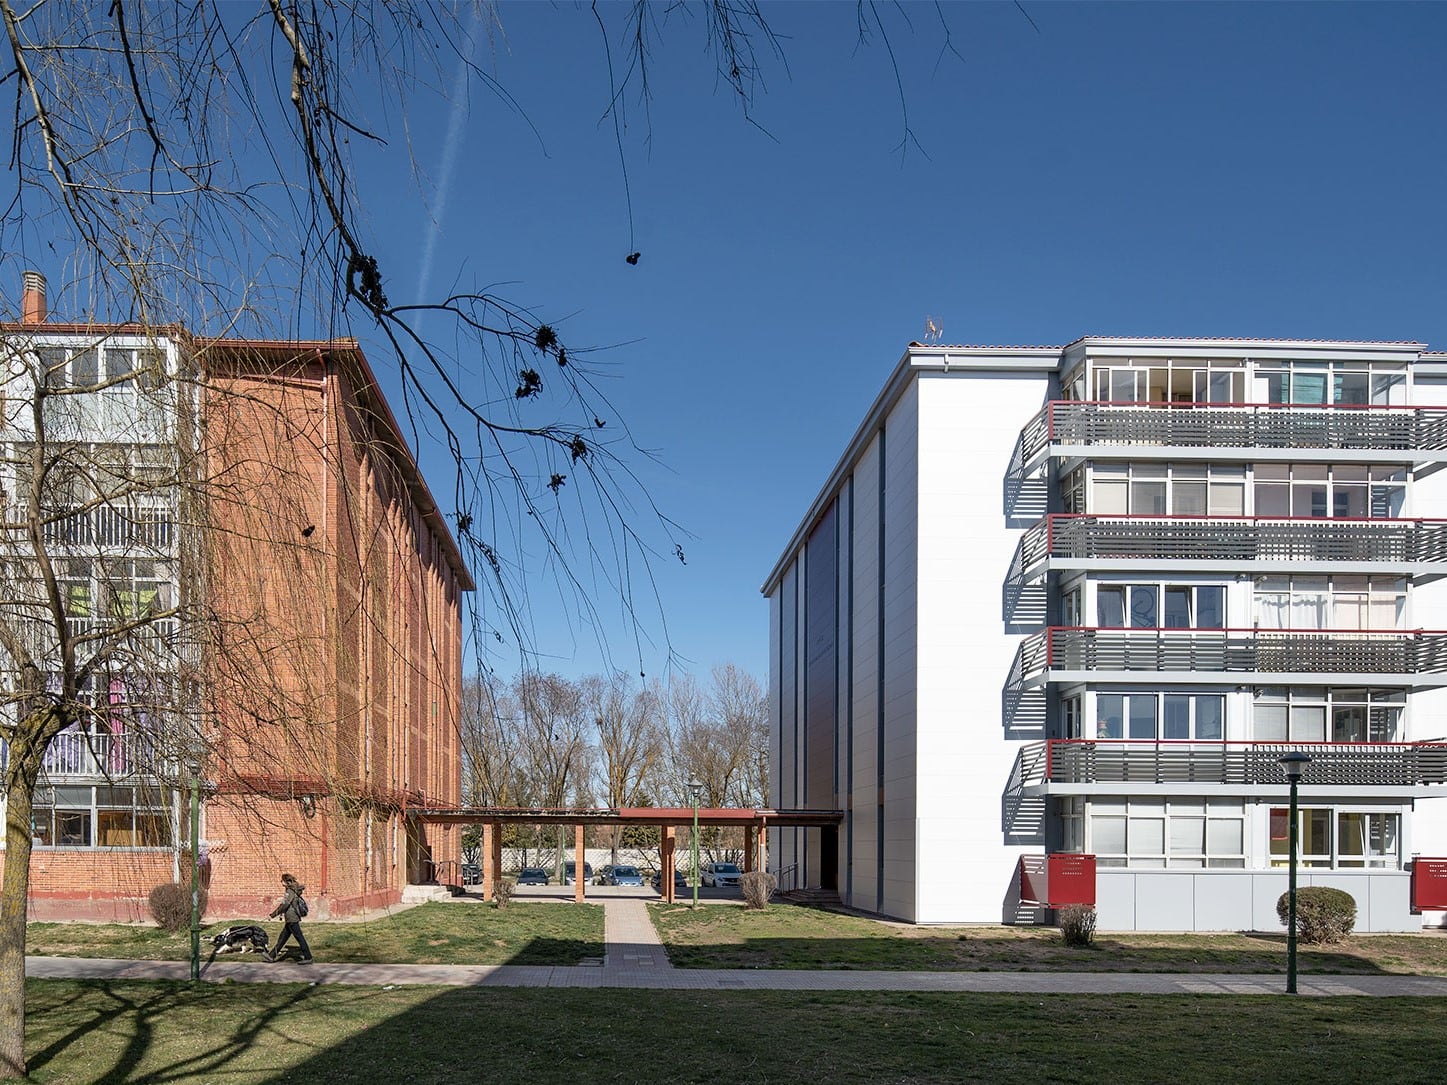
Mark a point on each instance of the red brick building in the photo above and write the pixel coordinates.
(317, 598)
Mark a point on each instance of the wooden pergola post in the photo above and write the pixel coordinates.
(763, 838)
(489, 872)
(578, 867)
(666, 877)
(496, 852)
(748, 848)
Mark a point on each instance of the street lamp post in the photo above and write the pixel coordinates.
(694, 786)
(195, 770)
(1293, 762)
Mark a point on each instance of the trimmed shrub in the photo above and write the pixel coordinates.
(1323, 914)
(502, 891)
(171, 905)
(759, 886)
(1077, 924)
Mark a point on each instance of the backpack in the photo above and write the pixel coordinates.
(301, 908)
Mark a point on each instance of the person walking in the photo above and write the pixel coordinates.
(292, 907)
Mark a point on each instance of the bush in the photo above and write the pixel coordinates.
(759, 886)
(171, 905)
(502, 891)
(1323, 914)
(1077, 924)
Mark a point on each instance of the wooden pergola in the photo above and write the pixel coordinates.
(755, 824)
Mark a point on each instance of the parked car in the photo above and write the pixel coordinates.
(680, 883)
(533, 875)
(623, 875)
(471, 874)
(570, 873)
(722, 875)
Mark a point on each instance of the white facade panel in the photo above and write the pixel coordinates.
(968, 429)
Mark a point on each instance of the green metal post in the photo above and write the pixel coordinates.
(195, 872)
(1291, 896)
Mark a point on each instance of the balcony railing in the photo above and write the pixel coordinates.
(150, 526)
(1407, 656)
(1148, 761)
(99, 756)
(1238, 425)
(1230, 538)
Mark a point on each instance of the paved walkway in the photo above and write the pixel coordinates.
(636, 958)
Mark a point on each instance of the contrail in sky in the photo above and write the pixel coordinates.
(450, 146)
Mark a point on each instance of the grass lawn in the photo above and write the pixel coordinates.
(435, 933)
(250, 1034)
(795, 936)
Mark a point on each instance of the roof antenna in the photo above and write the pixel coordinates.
(932, 330)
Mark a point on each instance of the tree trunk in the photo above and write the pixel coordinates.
(14, 897)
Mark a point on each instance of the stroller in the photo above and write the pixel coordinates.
(245, 938)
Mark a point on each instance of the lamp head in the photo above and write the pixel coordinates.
(694, 785)
(1294, 762)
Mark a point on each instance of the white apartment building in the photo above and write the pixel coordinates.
(1080, 600)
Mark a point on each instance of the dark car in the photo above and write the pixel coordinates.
(680, 883)
(570, 874)
(533, 875)
(623, 875)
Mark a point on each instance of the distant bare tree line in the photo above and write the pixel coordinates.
(542, 740)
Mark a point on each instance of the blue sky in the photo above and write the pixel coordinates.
(1126, 169)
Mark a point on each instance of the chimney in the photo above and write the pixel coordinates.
(32, 298)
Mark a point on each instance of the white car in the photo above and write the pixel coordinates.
(722, 875)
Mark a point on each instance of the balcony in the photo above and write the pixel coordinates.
(1073, 762)
(74, 755)
(1416, 659)
(149, 527)
(1061, 541)
(1072, 428)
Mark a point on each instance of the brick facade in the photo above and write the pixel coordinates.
(333, 679)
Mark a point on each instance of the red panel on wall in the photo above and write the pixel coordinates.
(1429, 884)
(1057, 880)
(1071, 879)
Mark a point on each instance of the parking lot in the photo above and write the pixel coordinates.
(604, 892)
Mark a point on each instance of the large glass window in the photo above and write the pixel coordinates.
(1176, 833)
(1335, 602)
(1174, 716)
(104, 815)
(1332, 837)
(1337, 490)
(1168, 489)
(1336, 714)
(1345, 383)
(1139, 606)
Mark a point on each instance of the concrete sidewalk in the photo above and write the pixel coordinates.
(636, 959)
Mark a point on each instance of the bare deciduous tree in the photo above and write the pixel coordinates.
(630, 740)
(197, 165)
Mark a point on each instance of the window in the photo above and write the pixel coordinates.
(1336, 602)
(1346, 383)
(1174, 716)
(1331, 837)
(1168, 489)
(1319, 490)
(1070, 717)
(1174, 380)
(104, 816)
(1178, 833)
(1317, 714)
(1138, 606)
